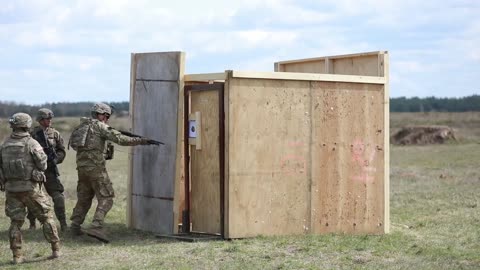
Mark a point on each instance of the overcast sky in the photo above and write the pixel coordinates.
(70, 50)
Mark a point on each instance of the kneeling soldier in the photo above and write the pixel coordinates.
(22, 162)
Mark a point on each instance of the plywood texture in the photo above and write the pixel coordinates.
(364, 64)
(155, 115)
(304, 157)
(307, 67)
(348, 161)
(205, 165)
(269, 161)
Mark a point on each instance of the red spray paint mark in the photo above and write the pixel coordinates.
(292, 164)
(363, 156)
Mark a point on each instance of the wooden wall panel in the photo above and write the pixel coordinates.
(307, 67)
(305, 157)
(362, 65)
(365, 64)
(268, 157)
(348, 158)
(154, 114)
(205, 165)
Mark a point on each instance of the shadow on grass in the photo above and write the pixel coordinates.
(118, 234)
(26, 262)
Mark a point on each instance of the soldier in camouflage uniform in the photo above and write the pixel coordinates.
(22, 162)
(89, 140)
(56, 155)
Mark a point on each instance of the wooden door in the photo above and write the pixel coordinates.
(206, 158)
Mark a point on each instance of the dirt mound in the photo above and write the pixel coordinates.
(423, 135)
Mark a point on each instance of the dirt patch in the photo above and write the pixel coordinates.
(423, 135)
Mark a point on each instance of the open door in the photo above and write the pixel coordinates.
(204, 152)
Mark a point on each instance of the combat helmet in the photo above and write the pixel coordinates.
(19, 120)
(100, 108)
(44, 113)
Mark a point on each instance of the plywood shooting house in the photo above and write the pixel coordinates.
(302, 150)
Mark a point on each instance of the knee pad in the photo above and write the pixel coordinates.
(58, 198)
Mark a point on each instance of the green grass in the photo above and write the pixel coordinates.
(435, 221)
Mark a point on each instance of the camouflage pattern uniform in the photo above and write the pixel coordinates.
(53, 185)
(93, 179)
(22, 164)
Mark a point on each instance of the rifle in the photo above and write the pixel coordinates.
(48, 149)
(150, 141)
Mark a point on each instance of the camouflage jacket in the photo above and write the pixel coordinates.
(92, 153)
(54, 139)
(22, 162)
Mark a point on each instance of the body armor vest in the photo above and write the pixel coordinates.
(80, 134)
(18, 163)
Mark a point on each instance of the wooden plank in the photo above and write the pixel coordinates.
(180, 159)
(315, 59)
(307, 67)
(308, 77)
(155, 115)
(364, 64)
(268, 157)
(386, 120)
(133, 73)
(226, 106)
(220, 76)
(348, 158)
(205, 165)
(360, 65)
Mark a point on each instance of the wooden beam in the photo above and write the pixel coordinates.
(179, 161)
(386, 122)
(220, 76)
(309, 77)
(329, 57)
(133, 75)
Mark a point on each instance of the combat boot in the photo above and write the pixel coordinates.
(63, 226)
(55, 251)
(33, 226)
(18, 256)
(76, 230)
(98, 233)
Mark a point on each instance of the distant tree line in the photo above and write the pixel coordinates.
(400, 104)
(60, 108)
(434, 104)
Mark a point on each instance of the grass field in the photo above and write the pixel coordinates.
(435, 221)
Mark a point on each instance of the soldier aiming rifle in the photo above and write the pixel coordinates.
(89, 139)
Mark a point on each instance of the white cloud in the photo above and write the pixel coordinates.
(89, 62)
(71, 61)
(48, 36)
(83, 35)
(35, 74)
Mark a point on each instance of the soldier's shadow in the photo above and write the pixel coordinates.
(118, 234)
(26, 262)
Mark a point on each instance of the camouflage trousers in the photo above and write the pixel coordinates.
(15, 208)
(92, 182)
(55, 189)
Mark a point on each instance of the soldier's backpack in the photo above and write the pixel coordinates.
(80, 134)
